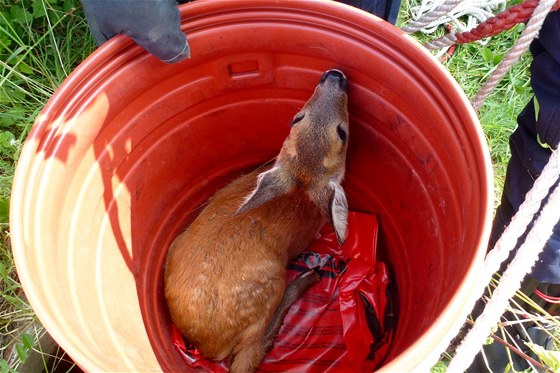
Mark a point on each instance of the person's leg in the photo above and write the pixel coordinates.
(531, 144)
(386, 9)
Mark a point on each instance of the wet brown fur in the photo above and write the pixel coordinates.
(225, 275)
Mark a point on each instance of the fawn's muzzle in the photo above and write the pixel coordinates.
(335, 75)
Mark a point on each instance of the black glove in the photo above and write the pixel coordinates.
(153, 24)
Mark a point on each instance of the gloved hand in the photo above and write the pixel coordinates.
(153, 24)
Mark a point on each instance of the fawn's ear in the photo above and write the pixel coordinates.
(338, 209)
(270, 184)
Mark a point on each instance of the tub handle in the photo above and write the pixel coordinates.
(247, 71)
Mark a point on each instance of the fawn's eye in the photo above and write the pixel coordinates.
(341, 133)
(298, 118)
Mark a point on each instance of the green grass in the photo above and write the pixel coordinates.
(42, 41)
(40, 44)
(471, 66)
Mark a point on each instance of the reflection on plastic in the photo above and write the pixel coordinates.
(341, 324)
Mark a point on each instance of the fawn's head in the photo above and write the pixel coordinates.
(313, 155)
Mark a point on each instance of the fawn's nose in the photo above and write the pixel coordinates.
(336, 75)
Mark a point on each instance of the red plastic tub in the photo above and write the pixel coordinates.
(128, 148)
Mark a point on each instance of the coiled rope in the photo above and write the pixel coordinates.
(541, 231)
(428, 18)
(503, 21)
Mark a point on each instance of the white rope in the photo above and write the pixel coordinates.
(462, 15)
(520, 221)
(524, 260)
(426, 18)
(507, 242)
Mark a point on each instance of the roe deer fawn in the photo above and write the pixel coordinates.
(225, 275)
